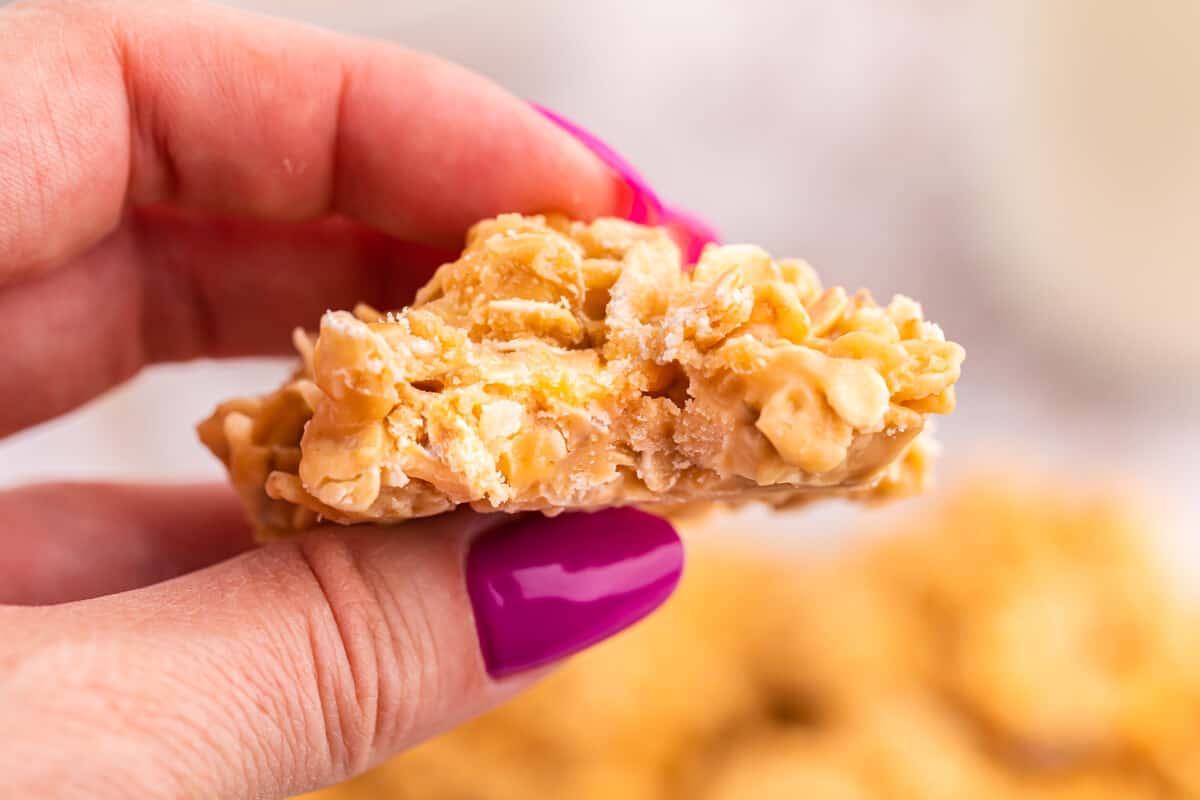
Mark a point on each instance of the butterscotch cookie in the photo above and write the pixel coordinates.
(561, 365)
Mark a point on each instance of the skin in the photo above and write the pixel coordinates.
(178, 181)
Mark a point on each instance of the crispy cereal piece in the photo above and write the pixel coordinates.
(561, 365)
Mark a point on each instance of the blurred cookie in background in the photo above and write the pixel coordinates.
(1013, 639)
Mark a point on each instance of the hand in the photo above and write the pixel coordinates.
(180, 181)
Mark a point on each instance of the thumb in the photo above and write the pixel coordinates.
(309, 660)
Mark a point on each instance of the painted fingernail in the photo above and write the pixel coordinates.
(690, 231)
(544, 588)
(646, 208)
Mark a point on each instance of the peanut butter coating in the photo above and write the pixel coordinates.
(563, 365)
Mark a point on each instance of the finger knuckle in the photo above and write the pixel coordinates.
(374, 657)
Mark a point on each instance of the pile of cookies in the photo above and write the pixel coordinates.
(1013, 640)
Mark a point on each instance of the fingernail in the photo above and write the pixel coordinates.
(544, 588)
(646, 208)
(690, 231)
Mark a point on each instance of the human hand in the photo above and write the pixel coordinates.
(180, 181)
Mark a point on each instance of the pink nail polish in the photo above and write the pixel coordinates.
(690, 231)
(647, 208)
(544, 588)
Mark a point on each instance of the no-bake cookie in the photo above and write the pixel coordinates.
(563, 365)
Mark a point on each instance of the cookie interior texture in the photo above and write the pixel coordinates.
(562, 365)
(1016, 640)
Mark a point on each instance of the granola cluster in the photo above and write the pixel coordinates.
(1017, 641)
(563, 365)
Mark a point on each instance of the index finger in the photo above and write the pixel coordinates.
(140, 103)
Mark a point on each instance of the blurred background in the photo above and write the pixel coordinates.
(1030, 171)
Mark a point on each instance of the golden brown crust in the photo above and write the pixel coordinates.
(561, 365)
